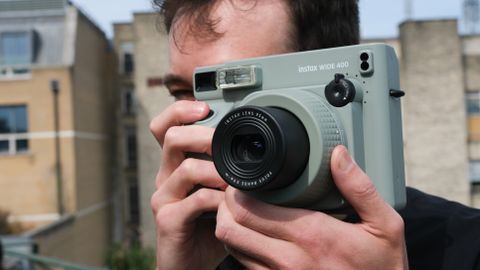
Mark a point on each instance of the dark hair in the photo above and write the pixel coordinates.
(317, 23)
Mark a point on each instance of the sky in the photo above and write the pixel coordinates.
(378, 18)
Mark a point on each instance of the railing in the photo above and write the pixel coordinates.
(29, 5)
(47, 261)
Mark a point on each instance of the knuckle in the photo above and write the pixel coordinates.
(202, 196)
(161, 219)
(187, 167)
(153, 125)
(157, 202)
(311, 239)
(162, 213)
(154, 203)
(222, 231)
(171, 135)
(224, 225)
(308, 241)
(396, 226)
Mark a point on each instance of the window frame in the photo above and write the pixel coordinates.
(472, 100)
(129, 110)
(14, 137)
(470, 170)
(127, 48)
(20, 71)
(128, 63)
(30, 47)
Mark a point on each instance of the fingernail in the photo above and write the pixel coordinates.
(345, 162)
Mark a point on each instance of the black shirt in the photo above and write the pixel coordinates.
(439, 234)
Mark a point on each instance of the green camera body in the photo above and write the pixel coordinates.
(278, 119)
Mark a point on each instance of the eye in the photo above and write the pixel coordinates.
(182, 94)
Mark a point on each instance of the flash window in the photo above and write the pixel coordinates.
(238, 77)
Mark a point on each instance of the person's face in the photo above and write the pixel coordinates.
(249, 30)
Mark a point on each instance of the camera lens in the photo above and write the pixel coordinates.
(260, 148)
(248, 148)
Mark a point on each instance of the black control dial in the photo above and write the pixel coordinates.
(340, 91)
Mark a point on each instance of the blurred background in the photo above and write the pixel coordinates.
(80, 81)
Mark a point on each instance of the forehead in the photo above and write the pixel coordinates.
(258, 30)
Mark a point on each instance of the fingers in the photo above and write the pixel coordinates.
(359, 190)
(246, 241)
(276, 221)
(181, 215)
(180, 140)
(190, 173)
(177, 114)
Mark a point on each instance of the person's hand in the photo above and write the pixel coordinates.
(183, 240)
(264, 236)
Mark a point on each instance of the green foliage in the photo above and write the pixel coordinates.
(7, 227)
(122, 257)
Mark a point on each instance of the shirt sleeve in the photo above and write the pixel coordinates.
(440, 234)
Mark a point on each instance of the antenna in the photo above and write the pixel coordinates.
(471, 12)
(408, 9)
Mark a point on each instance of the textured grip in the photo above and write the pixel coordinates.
(331, 136)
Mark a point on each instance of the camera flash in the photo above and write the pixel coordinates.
(238, 77)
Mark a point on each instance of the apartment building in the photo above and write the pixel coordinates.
(56, 98)
(440, 75)
(144, 43)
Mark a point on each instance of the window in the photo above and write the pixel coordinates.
(473, 103)
(16, 48)
(127, 63)
(128, 101)
(473, 113)
(131, 147)
(17, 53)
(475, 171)
(133, 201)
(13, 129)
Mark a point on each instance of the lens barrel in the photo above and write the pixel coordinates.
(260, 148)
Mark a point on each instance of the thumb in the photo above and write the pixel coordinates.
(358, 189)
